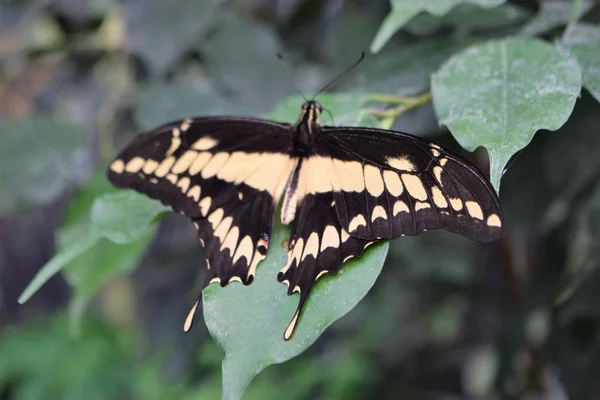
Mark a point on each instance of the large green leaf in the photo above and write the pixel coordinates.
(39, 157)
(404, 10)
(584, 42)
(249, 322)
(499, 93)
(123, 218)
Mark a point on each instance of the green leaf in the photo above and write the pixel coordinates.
(161, 32)
(241, 55)
(248, 322)
(583, 40)
(555, 13)
(404, 10)
(499, 93)
(469, 17)
(162, 103)
(122, 217)
(39, 158)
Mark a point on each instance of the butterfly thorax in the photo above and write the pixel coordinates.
(307, 126)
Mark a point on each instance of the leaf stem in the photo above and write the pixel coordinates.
(405, 104)
(575, 14)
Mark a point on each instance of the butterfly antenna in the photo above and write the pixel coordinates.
(289, 74)
(340, 76)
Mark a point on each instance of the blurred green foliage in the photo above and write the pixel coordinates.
(446, 318)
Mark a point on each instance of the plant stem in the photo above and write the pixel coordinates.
(406, 103)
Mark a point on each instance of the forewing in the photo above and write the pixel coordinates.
(226, 174)
(388, 184)
(319, 246)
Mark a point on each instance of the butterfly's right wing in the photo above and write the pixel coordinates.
(225, 174)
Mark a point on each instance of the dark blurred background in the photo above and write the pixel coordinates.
(447, 318)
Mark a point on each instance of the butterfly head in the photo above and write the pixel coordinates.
(310, 118)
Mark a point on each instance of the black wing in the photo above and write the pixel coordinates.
(226, 174)
(360, 185)
(404, 185)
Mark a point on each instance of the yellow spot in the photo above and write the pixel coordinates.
(438, 197)
(474, 210)
(153, 180)
(312, 246)
(437, 171)
(271, 173)
(321, 274)
(172, 178)
(235, 279)
(345, 236)
(149, 166)
(373, 181)
(435, 146)
(117, 166)
(297, 252)
(456, 203)
(399, 207)
(185, 124)
(215, 280)
(291, 326)
(184, 184)
(223, 228)
(176, 132)
(320, 175)
(245, 249)
(184, 162)
(164, 167)
(175, 143)
(421, 206)
(205, 205)
(238, 166)
(135, 164)
(231, 241)
(356, 222)
(401, 163)
(378, 212)
(190, 318)
(204, 143)
(240, 195)
(330, 238)
(194, 192)
(350, 174)
(347, 258)
(296, 289)
(414, 186)
(443, 161)
(393, 183)
(435, 152)
(199, 163)
(215, 217)
(214, 165)
(494, 220)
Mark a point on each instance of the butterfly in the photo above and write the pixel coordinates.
(342, 189)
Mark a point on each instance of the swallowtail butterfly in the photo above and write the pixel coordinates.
(341, 189)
